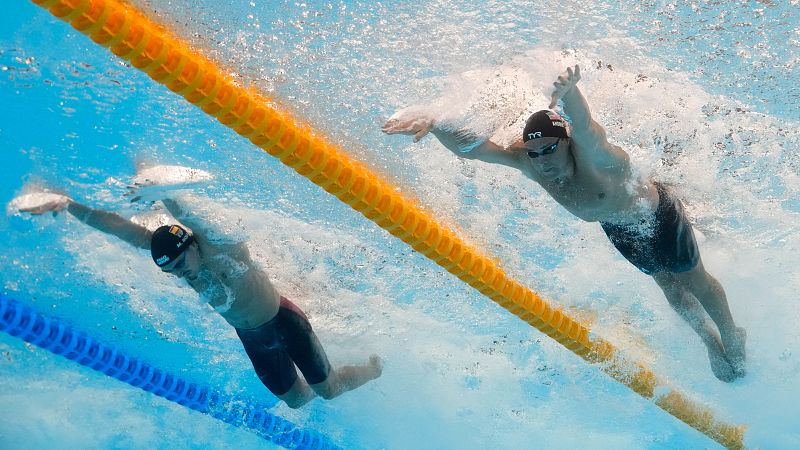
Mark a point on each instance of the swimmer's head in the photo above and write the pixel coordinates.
(543, 124)
(168, 243)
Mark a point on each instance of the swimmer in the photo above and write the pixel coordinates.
(275, 333)
(593, 180)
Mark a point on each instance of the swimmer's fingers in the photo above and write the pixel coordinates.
(400, 126)
(36, 210)
(563, 84)
(54, 206)
(417, 127)
(573, 76)
(392, 126)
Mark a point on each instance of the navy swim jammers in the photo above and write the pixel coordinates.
(665, 244)
(276, 346)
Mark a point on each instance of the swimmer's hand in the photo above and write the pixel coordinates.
(38, 203)
(409, 122)
(564, 84)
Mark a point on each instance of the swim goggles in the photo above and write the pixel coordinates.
(179, 264)
(544, 150)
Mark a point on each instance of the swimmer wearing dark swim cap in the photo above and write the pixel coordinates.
(275, 333)
(594, 180)
(169, 242)
(545, 123)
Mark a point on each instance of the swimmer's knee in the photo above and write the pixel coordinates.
(697, 280)
(665, 280)
(673, 289)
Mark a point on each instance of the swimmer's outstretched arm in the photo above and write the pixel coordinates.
(113, 224)
(575, 106)
(462, 143)
(107, 222)
(590, 135)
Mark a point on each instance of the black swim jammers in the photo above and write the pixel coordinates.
(666, 244)
(276, 346)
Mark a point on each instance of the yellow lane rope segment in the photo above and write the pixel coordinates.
(150, 47)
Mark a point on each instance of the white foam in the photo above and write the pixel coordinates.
(152, 183)
(170, 175)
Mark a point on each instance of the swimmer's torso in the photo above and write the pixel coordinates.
(603, 194)
(240, 293)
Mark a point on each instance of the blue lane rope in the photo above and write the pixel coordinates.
(51, 334)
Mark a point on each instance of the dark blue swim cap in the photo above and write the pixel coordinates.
(168, 242)
(544, 123)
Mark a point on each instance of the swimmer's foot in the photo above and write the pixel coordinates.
(722, 369)
(735, 351)
(351, 377)
(376, 364)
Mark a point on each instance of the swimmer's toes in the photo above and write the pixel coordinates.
(741, 333)
(377, 363)
(736, 352)
(721, 367)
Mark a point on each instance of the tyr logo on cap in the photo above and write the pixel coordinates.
(544, 123)
(534, 135)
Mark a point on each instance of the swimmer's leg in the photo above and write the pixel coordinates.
(275, 368)
(692, 312)
(712, 296)
(298, 395)
(308, 354)
(348, 378)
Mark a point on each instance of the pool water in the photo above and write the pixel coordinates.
(702, 96)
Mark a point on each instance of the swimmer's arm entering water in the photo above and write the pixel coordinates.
(463, 143)
(589, 135)
(111, 223)
(104, 221)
